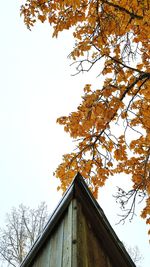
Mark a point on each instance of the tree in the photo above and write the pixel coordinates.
(135, 254)
(23, 225)
(114, 35)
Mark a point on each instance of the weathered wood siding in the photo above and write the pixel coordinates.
(59, 249)
(90, 251)
(72, 244)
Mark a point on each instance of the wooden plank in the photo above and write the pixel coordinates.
(45, 255)
(56, 243)
(74, 233)
(82, 242)
(67, 238)
(59, 248)
(37, 262)
(33, 264)
(95, 252)
(52, 250)
(108, 262)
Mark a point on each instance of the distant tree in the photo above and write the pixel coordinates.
(23, 225)
(135, 254)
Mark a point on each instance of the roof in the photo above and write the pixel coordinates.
(111, 243)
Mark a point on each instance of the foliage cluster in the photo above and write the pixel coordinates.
(113, 34)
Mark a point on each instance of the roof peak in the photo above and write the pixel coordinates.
(79, 190)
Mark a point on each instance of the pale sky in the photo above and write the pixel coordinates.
(36, 87)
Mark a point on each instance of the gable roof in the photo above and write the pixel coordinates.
(94, 213)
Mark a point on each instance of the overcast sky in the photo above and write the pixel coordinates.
(36, 87)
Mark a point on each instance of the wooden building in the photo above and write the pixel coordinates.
(78, 234)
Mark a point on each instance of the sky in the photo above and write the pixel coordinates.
(36, 87)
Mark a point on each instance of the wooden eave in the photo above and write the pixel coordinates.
(94, 214)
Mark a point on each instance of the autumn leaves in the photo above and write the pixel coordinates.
(115, 33)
